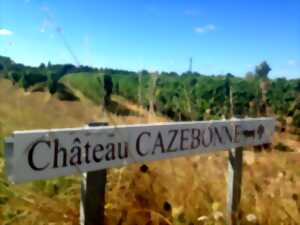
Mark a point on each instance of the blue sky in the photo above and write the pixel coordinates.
(222, 36)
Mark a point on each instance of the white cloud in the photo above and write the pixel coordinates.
(292, 62)
(205, 29)
(5, 32)
(199, 30)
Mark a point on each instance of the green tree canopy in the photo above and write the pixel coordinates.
(108, 87)
(262, 70)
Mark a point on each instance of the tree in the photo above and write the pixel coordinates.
(281, 97)
(15, 76)
(250, 76)
(261, 73)
(193, 82)
(262, 70)
(6, 62)
(229, 75)
(117, 89)
(297, 86)
(52, 85)
(25, 83)
(42, 66)
(108, 87)
(227, 87)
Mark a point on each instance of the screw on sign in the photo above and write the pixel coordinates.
(42, 154)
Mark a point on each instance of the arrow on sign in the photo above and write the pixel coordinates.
(249, 133)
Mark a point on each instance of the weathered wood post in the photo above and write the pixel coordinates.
(234, 177)
(235, 167)
(92, 201)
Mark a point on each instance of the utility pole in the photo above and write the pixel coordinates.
(191, 65)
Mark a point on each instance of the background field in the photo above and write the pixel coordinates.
(190, 190)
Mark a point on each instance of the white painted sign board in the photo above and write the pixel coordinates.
(41, 154)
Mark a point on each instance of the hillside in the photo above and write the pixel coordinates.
(192, 187)
(56, 200)
(89, 85)
(198, 193)
(181, 97)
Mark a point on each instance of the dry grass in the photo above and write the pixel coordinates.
(20, 110)
(195, 187)
(190, 190)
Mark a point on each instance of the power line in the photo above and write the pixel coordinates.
(67, 46)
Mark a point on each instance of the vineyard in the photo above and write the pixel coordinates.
(138, 194)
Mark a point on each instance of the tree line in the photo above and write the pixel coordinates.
(186, 96)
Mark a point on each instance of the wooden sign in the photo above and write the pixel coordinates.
(41, 154)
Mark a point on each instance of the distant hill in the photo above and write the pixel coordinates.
(186, 96)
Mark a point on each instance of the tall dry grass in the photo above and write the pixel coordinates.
(56, 200)
(195, 188)
(188, 190)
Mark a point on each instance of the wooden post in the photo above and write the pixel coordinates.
(92, 201)
(235, 167)
(234, 179)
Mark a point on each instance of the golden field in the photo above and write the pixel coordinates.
(189, 190)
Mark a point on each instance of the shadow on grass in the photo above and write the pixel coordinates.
(116, 108)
